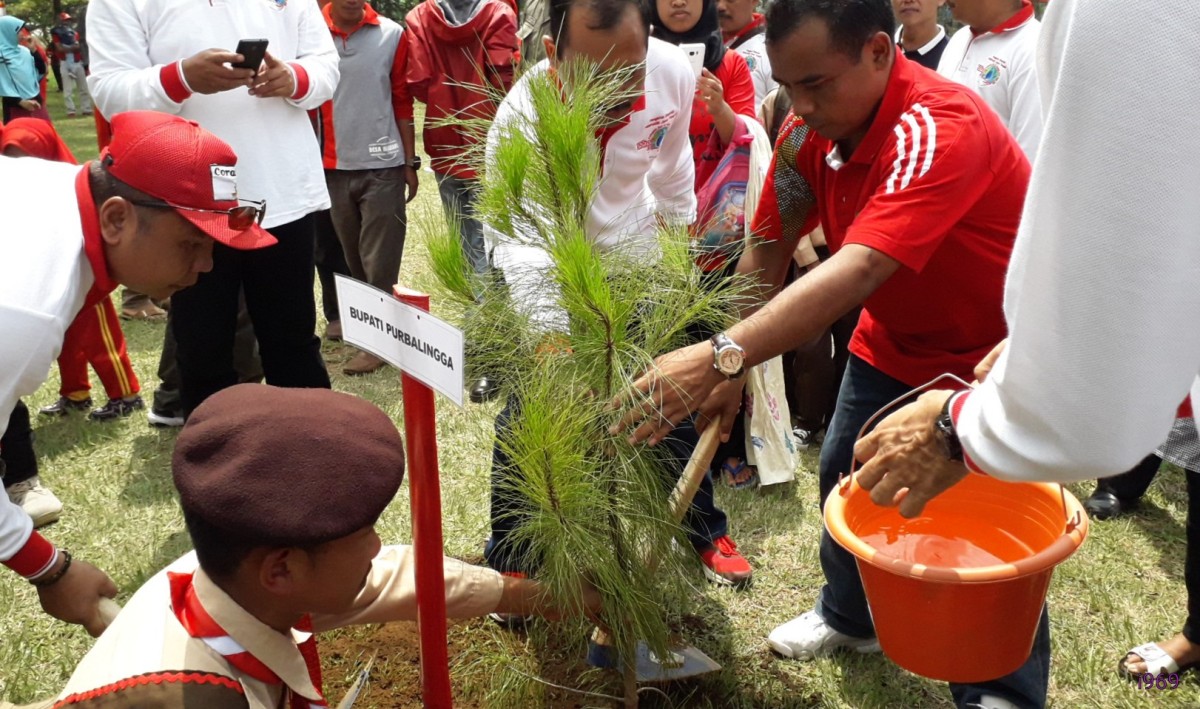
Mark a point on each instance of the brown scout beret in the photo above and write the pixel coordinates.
(287, 466)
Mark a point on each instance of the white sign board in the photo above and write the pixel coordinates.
(422, 346)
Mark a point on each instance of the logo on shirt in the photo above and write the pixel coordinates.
(384, 149)
(751, 61)
(655, 141)
(989, 73)
(658, 127)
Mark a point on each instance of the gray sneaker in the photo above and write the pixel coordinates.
(38, 502)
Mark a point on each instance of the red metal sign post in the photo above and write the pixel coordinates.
(425, 492)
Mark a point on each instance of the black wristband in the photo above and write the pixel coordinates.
(54, 578)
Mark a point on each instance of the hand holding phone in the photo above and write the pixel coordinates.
(252, 51)
(695, 55)
(208, 72)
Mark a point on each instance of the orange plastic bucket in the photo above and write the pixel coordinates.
(956, 594)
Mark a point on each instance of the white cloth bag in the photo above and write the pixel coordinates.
(770, 446)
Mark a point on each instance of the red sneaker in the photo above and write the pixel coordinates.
(724, 565)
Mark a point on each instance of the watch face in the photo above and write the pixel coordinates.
(730, 360)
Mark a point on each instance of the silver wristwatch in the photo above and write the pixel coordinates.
(728, 356)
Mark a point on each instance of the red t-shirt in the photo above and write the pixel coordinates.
(938, 184)
(738, 87)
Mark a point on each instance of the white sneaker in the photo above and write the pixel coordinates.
(38, 502)
(991, 701)
(162, 419)
(806, 637)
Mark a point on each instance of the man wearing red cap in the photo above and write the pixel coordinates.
(70, 57)
(279, 555)
(145, 215)
(177, 57)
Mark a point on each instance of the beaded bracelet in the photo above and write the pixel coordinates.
(57, 575)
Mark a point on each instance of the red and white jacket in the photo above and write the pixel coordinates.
(647, 172)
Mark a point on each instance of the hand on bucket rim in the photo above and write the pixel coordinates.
(904, 463)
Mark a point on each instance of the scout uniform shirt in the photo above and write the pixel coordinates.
(182, 642)
(938, 184)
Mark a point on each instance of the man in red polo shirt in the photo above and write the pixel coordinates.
(919, 189)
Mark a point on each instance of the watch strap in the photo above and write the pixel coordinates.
(944, 426)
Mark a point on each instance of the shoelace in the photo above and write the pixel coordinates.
(725, 545)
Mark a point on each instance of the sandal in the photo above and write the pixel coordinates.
(738, 476)
(1157, 662)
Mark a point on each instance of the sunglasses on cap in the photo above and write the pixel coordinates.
(240, 217)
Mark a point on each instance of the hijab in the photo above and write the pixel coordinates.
(707, 31)
(37, 139)
(18, 77)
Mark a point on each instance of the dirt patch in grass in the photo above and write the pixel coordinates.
(488, 669)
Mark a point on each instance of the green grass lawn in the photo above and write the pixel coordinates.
(1123, 588)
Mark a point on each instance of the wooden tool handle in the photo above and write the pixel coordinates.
(108, 610)
(685, 490)
(697, 467)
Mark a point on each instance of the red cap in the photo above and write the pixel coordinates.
(64, 16)
(178, 162)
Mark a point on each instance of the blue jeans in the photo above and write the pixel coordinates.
(842, 602)
(458, 199)
(704, 521)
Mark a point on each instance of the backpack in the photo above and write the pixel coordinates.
(729, 193)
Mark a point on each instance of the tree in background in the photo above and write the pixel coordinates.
(41, 15)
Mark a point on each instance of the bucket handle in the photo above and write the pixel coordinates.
(844, 479)
(888, 408)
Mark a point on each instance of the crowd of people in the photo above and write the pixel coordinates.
(931, 203)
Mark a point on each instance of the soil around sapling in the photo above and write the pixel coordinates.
(485, 668)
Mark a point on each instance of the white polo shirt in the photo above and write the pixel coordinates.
(45, 277)
(647, 172)
(754, 51)
(1001, 66)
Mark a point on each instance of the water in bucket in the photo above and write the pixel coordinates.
(956, 594)
(942, 541)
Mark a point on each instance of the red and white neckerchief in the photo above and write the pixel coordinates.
(200, 625)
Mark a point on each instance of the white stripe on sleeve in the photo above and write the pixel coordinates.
(931, 144)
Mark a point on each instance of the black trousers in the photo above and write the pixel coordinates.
(330, 260)
(19, 462)
(278, 285)
(167, 397)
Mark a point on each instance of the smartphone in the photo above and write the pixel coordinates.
(695, 55)
(252, 51)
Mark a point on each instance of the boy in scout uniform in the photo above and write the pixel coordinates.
(279, 555)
